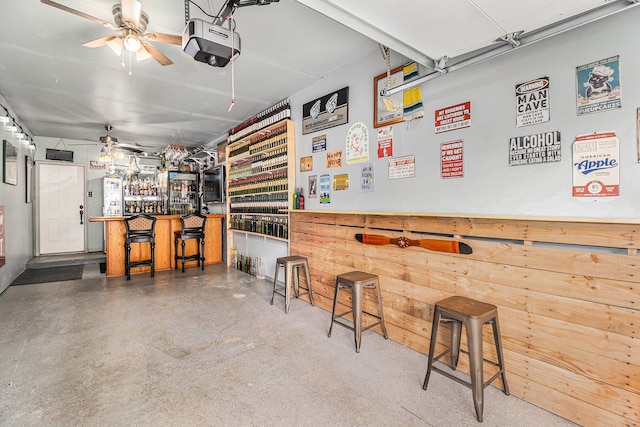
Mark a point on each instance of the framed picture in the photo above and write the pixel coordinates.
(388, 109)
(10, 162)
(28, 162)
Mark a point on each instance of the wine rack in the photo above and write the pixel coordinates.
(260, 173)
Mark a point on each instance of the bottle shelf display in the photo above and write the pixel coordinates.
(260, 173)
(144, 193)
(183, 193)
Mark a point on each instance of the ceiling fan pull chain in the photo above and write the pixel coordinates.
(130, 72)
(233, 84)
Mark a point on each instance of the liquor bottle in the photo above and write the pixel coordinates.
(301, 199)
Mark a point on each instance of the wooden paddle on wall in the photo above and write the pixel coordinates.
(438, 245)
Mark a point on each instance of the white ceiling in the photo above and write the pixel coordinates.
(59, 89)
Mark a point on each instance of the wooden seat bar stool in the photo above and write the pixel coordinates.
(357, 281)
(291, 265)
(459, 310)
(139, 229)
(192, 229)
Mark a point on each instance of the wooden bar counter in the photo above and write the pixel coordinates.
(567, 291)
(164, 251)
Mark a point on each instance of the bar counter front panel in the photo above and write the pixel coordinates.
(166, 225)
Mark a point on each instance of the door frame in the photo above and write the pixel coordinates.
(36, 233)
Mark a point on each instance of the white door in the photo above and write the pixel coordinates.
(60, 195)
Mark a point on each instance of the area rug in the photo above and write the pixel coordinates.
(49, 274)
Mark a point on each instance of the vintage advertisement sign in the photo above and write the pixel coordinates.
(325, 112)
(451, 159)
(454, 117)
(341, 182)
(532, 102)
(596, 165)
(334, 159)
(97, 165)
(599, 86)
(538, 148)
(402, 167)
(357, 143)
(306, 164)
(366, 177)
(319, 143)
(385, 142)
(313, 186)
(325, 188)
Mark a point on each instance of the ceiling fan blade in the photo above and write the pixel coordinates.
(157, 55)
(99, 42)
(131, 10)
(164, 38)
(78, 13)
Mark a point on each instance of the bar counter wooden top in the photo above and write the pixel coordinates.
(164, 250)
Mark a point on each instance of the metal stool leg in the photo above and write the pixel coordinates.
(356, 299)
(496, 337)
(288, 277)
(381, 309)
(275, 281)
(306, 270)
(456, 331)
(333, 310)
(432, 346)
(474, 340)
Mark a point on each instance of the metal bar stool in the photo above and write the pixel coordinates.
(357, 281)
(459, 311)
(291, 263)
(192, 229)
(139, 229)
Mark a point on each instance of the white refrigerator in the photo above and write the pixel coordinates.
(112, 205)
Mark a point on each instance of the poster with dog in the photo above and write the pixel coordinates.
(598, 86)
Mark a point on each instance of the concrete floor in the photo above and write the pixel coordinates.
(207, 349)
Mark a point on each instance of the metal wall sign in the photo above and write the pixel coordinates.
(64, 155)
(598, 86)
(537, 148)
(532, 102)
(325, 112)
(596, 165)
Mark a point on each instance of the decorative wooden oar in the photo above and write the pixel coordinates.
(438, 245)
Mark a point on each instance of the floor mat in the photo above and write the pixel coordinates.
(49, 274)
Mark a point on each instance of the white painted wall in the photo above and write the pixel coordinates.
(18, 221)
(489, 185)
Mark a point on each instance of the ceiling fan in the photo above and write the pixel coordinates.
(131, 24)
(111, 146)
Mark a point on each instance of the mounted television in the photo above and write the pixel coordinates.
(214, 185)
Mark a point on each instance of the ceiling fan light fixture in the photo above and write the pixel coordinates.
(132, 43)
(116, 45)
(142, 54)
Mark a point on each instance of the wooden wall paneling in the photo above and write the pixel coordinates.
(597, 393)
(567, 293)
